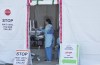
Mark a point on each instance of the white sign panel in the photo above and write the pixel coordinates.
(69, 54)
(22, 57)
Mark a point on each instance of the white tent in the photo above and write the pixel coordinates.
(81, 25)
(13, 28)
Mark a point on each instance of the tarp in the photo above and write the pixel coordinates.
(81, 25)
(13, 36)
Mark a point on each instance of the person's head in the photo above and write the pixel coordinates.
(48, 21)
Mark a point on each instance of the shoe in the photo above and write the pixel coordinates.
(45, 60)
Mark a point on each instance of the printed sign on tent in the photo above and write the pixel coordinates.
(22, 57)
(69, 54)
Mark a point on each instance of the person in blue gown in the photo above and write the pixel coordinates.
(48, 39)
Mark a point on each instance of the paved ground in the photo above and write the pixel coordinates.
(40, 63)
(45, 63)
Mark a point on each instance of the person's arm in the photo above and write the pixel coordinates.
(49, 29)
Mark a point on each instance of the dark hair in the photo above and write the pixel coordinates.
(49, 21)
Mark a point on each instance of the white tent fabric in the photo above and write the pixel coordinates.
(81, 25)
(14, 39)
(34, 2)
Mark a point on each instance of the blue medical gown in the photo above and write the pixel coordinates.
(48, 35)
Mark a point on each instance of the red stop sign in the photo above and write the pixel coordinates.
(7, 12)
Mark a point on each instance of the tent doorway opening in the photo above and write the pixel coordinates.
(38, 15)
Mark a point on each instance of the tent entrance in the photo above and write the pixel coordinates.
(38, 14)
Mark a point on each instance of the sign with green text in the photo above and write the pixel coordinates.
(69, 54)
